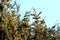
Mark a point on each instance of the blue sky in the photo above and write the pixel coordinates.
(49, 8)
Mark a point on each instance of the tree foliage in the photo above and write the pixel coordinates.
(12, 28)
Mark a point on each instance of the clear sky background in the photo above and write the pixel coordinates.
(49, 8)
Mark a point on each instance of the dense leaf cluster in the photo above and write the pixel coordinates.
(12, 28)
